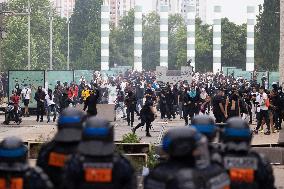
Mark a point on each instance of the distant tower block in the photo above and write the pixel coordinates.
(250, 38)
(217, 34)
(191, 34)
(105, 18)
(164, 16)
(138, 37)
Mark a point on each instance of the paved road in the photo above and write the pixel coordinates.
(32, 130)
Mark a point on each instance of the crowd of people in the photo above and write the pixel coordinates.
(82, 155)
(138, 92)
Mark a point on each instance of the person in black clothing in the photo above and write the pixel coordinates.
(149, 93)
(163, 103)
(40, 99)
(275, 108)
(130, 103)
(247, 169)
(181, 94)
(175, 102)
(15, 171)
(139, 95)
(147, 115)
(233, 104)
(96, 164)
(91, 103)
(188, 165)
(219, 107)
(54, 154)
(170, 103)
(191, 100)
(64, 101)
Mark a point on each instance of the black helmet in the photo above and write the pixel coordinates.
(97, 138)
(236, 135)
(188, 144)
(13, 150)
(205, 125)
(70, 125)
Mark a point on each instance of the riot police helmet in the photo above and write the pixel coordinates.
(205, 125)
(236, 135)
(13, 150)
(187, 144)
(70, 125)
(97, 138)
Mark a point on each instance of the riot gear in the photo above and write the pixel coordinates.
(188, 166)
(53, 155)
(97, 165)
(247, 169)
(205, 125)
(14, 169)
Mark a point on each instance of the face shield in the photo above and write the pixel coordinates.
(201, 153)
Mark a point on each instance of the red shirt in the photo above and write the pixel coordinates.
(15, 99)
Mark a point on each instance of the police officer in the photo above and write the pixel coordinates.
(247, 169)
(53, 155)
(97, 165)
(206, 125)
(189, 164)
(14, 168)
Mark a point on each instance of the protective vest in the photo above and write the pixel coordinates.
(170, 176)
(56, 159)
(98, 172)
(243, 170)
(21, 177)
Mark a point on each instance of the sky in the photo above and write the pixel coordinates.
(235, 10)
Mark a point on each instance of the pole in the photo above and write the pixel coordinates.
(68, 45)
(1, 30)
(29, 35)
(50, 38)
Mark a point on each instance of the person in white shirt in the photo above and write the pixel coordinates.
(26, 96)
(51, 108)
(262, 102)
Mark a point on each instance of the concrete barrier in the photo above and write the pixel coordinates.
(133, 148)
(281, 137)
(125, 148)
(107, 112)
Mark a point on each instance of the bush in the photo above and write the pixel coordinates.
(130, 138)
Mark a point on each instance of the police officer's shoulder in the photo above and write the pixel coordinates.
(37, 175)
(123, 161)
(48, 146)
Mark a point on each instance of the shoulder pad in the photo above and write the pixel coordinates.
(39, 176)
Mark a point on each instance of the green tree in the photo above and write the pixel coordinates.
(176, 26)
(14, 46)
(151, 41)
(85, 34)
(268, 36)
(233, 44)
(122, 41)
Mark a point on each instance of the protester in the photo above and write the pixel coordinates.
(26, 96)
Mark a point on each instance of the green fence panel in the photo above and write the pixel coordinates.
(34, 79)
(86, 74)
(273, 77)
(63, 76)
(225, 70)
